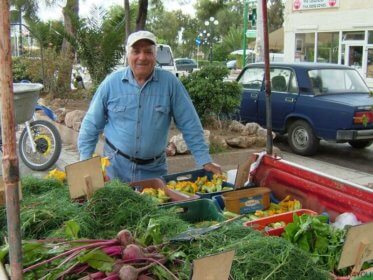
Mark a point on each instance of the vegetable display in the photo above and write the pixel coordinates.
(314, 235)
(158, 195)
(285, 205)
(121, 234)
(202, 185)
(119, 258)
(124, 257)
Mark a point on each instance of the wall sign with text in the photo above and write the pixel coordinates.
(314, 4)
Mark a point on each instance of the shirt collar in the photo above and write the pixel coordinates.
(128, 75)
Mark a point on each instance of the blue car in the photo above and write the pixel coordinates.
(310, 102)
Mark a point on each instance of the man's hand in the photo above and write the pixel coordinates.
(213, 167)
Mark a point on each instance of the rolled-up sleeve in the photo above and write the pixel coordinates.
(93, 123)
(188, 122)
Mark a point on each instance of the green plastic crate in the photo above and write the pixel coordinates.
(195, 211)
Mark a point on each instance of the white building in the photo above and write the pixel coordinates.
(335, 31)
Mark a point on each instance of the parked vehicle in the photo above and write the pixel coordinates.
(40, 143)
(185, 64)
(310, 102)
(165, 58)
(231, 64)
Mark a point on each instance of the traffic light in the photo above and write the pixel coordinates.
(252, 17)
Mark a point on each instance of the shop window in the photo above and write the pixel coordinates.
(353, 35)
(327, 47)
(370, 64)
(304, 47)
(370, 37)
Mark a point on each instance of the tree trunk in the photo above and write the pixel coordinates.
(70, 11)
(142, 14)
(127, 18)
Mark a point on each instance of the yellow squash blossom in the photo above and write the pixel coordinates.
(105, 162)
(56, 174)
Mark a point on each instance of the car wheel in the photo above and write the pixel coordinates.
(301, 138)
(360, 144)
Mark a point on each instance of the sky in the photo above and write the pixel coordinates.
(85, 7)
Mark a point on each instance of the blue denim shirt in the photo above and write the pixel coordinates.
(136, 119)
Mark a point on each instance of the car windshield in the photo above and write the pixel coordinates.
(332, 81)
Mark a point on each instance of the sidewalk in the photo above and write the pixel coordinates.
(228, 160)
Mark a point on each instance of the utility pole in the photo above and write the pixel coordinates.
(244, 42)
(259, 49)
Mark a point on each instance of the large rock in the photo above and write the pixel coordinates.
(250, 129)
(181, 147)
(242, 141)
(77, 125)
(236, 126)
(219, 140)
(251, 134)
(73, 117)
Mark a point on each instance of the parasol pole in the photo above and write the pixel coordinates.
(267, 80)
(10, 160)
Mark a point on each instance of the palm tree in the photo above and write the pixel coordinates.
(127, 19)
(142, 14)
(28, 10)
(70, 14)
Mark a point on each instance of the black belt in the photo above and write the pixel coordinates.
(133, 159)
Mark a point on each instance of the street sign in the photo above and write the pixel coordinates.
(198, 41)
(251, 33)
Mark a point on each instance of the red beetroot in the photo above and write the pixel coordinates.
(128, 272)
(132, 252)
(125, 237)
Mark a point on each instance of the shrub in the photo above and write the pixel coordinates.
(31, 68)
(19, 69)
(211, 95)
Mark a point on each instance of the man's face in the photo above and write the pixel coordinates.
(142, 59)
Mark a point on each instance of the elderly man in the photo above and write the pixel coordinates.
(133, 107)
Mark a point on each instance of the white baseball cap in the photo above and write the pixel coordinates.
(140, 35)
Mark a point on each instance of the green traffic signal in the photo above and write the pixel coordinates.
(253, 17)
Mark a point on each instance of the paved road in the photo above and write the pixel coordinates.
(340, 154)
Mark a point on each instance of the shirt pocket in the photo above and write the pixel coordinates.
(120, 114)
(162, 116)
(117, 109)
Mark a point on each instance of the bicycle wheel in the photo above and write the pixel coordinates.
(47, 142)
